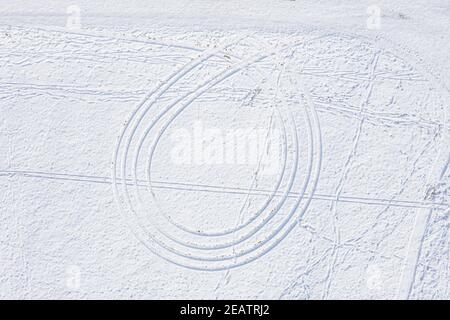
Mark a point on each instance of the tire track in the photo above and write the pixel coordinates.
(227, 74)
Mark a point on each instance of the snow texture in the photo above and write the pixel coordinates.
(117, 179)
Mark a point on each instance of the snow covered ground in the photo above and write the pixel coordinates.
(205, 149)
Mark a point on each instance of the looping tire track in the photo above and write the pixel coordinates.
(273, 234)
